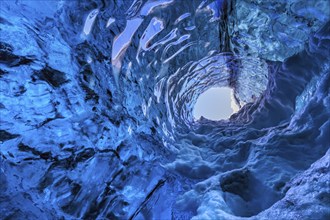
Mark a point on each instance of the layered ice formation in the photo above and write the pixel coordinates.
(97, 98)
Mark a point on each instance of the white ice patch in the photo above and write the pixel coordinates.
(90, 21)
(110, 21)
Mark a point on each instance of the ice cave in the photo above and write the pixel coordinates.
(102, 117)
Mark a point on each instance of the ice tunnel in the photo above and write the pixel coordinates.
(97, 101)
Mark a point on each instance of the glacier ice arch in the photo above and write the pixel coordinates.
(97, 98)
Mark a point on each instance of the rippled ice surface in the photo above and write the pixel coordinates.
(97, 100)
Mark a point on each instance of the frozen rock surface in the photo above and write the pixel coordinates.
(96, 102)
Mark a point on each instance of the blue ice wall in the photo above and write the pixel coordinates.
(96, 101)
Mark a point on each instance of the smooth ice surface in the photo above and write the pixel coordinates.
(97, 99)
(214, 104)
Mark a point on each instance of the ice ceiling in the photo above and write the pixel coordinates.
(97, 98)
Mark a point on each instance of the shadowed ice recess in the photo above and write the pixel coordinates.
(97, 109)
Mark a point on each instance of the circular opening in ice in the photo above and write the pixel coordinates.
(215, 104)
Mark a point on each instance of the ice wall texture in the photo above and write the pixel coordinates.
(96, 109)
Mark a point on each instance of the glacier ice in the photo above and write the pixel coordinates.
(97, 98)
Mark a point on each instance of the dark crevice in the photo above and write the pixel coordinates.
(42, 155)
(53, 77)
(8, 58)
(4, 135)
(226, 10)
(144, 203)
(245, 195)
